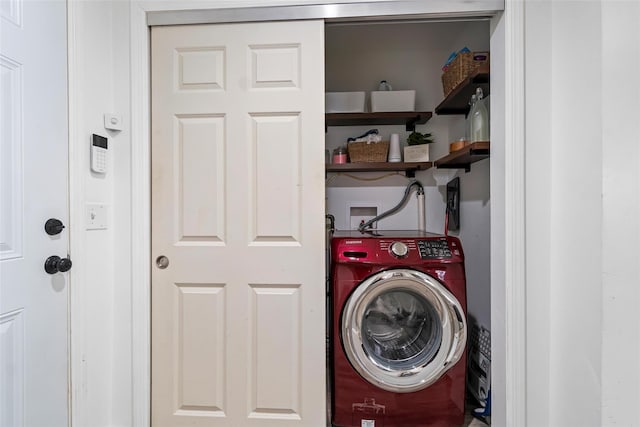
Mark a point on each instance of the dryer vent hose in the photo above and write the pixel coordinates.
(421, 222)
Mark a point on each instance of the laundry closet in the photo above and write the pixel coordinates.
(410, 55)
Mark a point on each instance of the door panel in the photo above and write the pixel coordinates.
(200, 364)
(33, 188)
(238, 316)
(200, 178)
(275, 388)
(274, 207)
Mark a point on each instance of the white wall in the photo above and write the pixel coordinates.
(501, 401)
(564, 189)
(575, 252)
(101, 294)
(620, 391)
(538, 41)
(410, 56)
(583, 213)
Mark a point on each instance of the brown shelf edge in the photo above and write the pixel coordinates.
(410, 167)
(463, 158)
(460, 159)
(457, 101)
(407, 118)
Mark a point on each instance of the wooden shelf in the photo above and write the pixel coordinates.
(409, 168)
(458, 100)
(462, 159)
(408, 118)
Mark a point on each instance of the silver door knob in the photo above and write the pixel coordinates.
(162, 262)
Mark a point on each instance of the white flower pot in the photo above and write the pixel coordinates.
(416, 153)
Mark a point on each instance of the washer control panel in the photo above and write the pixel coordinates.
(396, 249)
(434, 248)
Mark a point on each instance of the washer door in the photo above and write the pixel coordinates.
(402, 330)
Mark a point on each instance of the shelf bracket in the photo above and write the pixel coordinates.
(410, 173)
(411, 123)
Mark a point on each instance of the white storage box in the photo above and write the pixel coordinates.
(393, 100)
(344, 102)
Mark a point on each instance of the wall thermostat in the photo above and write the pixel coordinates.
(99, 146)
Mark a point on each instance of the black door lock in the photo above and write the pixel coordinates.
(53, 226)
(55, 264)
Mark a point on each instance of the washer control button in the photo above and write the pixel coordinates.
(399, 249)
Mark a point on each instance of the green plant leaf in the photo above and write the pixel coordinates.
(417, 138)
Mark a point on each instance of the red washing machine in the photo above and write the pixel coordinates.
(399, 330)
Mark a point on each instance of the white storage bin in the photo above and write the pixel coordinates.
(393, 100)
(344, 102)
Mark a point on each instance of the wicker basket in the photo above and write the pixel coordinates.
(463, 65)
(362, 152)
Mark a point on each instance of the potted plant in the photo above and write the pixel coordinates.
(417, 149)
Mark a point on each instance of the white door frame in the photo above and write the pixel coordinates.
(507, 241)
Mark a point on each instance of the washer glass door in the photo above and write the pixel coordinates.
(402, 330)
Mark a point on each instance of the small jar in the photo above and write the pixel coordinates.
(340, 155)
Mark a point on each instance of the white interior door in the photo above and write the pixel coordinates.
(33, 188)
(238, 315)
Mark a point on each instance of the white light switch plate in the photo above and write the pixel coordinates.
(96, 216)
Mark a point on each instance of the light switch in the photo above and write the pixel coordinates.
(96, 216)
(113, 122)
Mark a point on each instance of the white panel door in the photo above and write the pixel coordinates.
(33, 188)
(238, 315)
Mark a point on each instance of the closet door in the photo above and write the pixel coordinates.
(238, 308)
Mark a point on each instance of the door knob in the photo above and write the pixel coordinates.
(55, 264)
(162, 262)
(53, 226)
